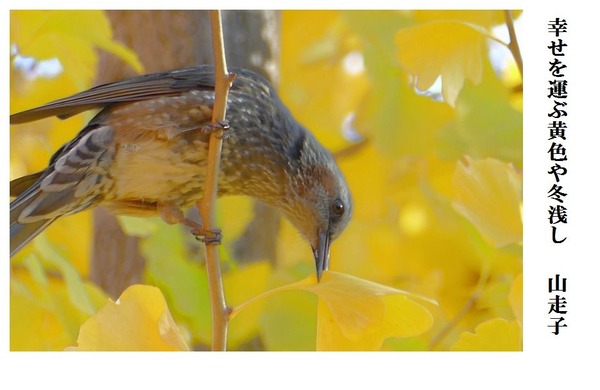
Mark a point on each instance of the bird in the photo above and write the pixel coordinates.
(145, 154)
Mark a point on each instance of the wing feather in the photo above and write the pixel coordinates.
(138, 88)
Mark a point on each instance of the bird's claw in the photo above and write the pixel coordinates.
(219, 129)
(208, 236)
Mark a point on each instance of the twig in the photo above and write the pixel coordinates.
(513, 45)
(220, 311)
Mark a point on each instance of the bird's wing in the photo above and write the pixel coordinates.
(138, 88)
(72, 183)
(76, 180)
(21, 184)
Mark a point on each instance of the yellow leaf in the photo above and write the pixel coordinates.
(47, 34)
(325, 93)
(452, 50)
(34, 326)
(494, 335)
(71, 37)
(355, 303)
(43, 316)
(356, 314)
(138, 321)
(488, 193)
(515, 297)
(401, 318)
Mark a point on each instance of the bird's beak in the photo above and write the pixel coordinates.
(321, 252)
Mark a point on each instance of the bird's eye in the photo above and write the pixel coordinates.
(337, 208)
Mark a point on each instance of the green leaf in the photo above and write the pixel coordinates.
(486, 124)
(399, 121)
(36, 270)
(183, 282)
(288, 322)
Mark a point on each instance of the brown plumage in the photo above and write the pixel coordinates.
(145, 153)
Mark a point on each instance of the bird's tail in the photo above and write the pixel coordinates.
(24, 189)
(21, 234)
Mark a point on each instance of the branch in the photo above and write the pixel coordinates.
(220, 311)
(513, 45)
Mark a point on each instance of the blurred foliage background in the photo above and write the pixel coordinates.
(423, 110)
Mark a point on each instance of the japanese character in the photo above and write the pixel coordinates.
(557, 26)
(557, 113)
(557, 48)
(558, 214)
(557, 130)
(557, 171)
(557, 152)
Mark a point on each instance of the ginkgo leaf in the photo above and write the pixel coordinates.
(494, 335)
(476, 131)
(488, 193)
(40, 31)
(138, 321)
(452, 50)
(43, 316)
(34, 326)
(402, 317)
(356, 314)
(397, 120)
(354, 303)
(288, 322)
(317, 54)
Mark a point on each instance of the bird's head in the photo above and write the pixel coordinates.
(319, 204)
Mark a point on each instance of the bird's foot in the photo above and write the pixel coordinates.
(173, 215)
(220, 129)
(208, 236)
